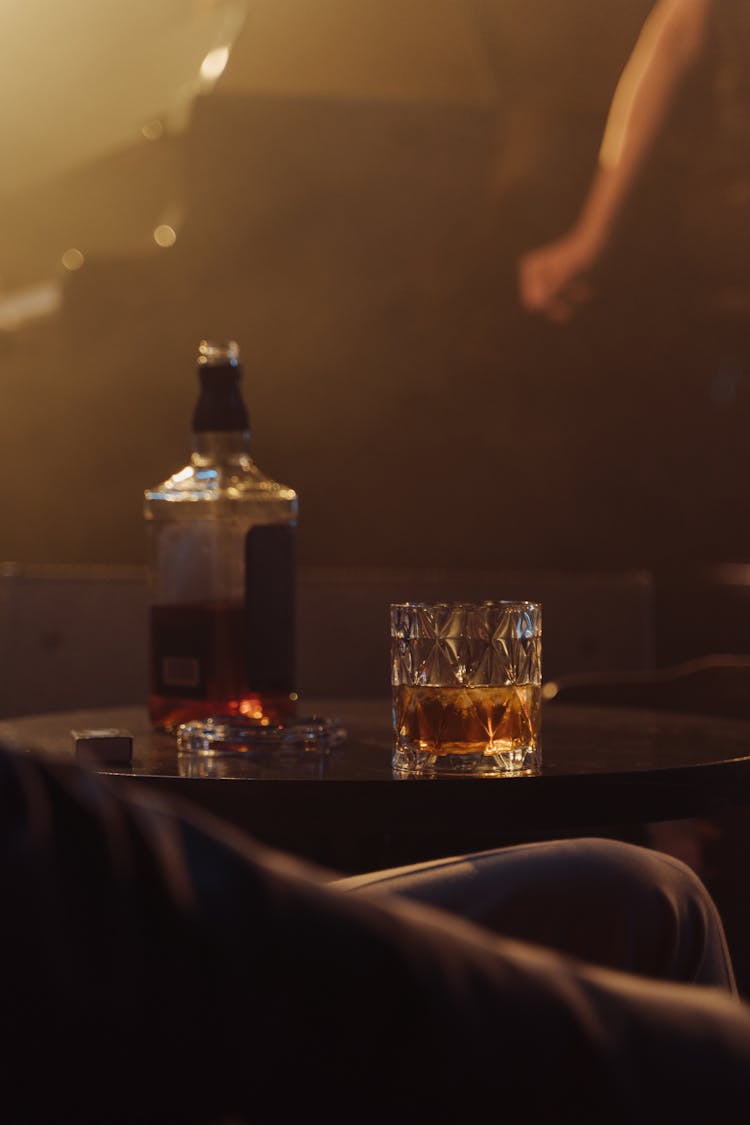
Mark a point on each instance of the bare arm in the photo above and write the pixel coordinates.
(553, 279)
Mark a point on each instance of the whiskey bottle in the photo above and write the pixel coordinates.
(222, 569)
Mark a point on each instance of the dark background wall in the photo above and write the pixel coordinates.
(350, 200)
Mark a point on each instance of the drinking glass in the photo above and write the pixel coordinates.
(467, 688)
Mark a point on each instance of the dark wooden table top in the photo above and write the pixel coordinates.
(602, 768)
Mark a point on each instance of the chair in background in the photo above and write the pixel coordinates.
(714, 684)
(593, 622)
(77, 636)
(718, 685)
(72, 637)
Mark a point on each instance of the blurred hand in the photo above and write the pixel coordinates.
(553, 279)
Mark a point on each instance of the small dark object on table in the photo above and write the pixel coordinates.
(109, 746)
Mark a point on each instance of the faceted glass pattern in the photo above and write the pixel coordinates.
(467, 683)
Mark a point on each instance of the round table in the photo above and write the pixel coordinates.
(604, 771)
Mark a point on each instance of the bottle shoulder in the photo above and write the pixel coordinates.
(209, 480)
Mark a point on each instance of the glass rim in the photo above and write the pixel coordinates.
(501, 603)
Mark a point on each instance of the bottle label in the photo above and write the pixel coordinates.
(181, 649)
(270, 605)
(180, 672)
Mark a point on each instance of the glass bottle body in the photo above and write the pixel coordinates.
(221, 545)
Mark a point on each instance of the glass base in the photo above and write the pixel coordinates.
(411, 760)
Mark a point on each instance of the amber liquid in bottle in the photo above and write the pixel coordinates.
(218, 634)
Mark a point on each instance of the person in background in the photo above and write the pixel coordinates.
(681, 41)
(162, 967)
(556, 279)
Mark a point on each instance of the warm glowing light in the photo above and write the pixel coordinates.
(33, 303)
(293, 696)
(251, 708)
(152, 130)
(619, 119)
(214, 64)
(72, 259)
(549, 690)
(164, 235)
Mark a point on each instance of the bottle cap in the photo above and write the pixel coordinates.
(220, 406)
